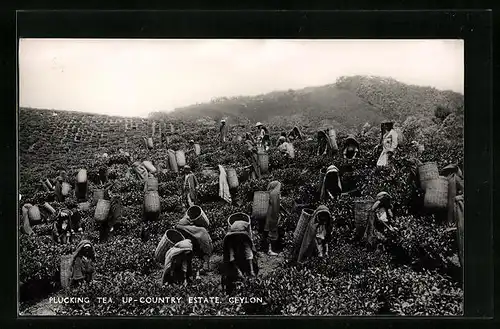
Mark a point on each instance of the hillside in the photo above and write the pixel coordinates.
(413, 273)
(348, 103)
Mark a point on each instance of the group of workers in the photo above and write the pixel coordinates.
(239, 251)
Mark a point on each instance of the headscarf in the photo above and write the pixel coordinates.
(324, 188)
(308, 241)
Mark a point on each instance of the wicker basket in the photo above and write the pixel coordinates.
(149, 143)
(427, 172)
(198, 217)
(102, 210)
(169, 239)
(151, 184)
(66, 271)
(362, 209)
(172, 161)
(65, 189)
(232, 178)
(181, 158)
(100, 194)
(239, 216)
(301, 227)
(333, 139)
(81, 177)
(152, 202)
(436, 194)
(263, 159)
(149, 166)
(197, 149)
(260, 204)
(34, 214)
(84, 206)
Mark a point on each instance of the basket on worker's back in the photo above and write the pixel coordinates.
(263, 159)
(239, 216)
(102, 210)
(436, 194)
(300, 229)
(81, 177)
(232, 177)
(332, 135)
(152, 204)
(66, 271)
(172, 161)
(197, 216)
(169, 239)
(151, 184)
(427, 172)
(149, 143)
(362, 211)
(260, 204)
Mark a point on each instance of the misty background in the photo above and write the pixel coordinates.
(135, 77)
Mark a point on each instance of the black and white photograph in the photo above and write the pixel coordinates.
(240, 177)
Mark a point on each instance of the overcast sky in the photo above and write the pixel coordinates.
(135, 77)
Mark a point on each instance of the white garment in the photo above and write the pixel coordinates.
(223, 185)
(389, 144)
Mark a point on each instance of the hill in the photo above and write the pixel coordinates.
(348, 103)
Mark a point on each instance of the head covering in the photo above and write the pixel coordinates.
(258, 124)
(191, 141)
(351, 140)
(187, 167)
(223, 120)
(282, 139)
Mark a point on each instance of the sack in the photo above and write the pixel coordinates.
(65, 189)
(427, 172)
(34, 214)
(152, 202)
(81, 177)
(436, 194)
(180, 158)
(149, 166)
(197, 149)
(260, 204)
(169, 239)
(197, 216)
(232, 177)
(172, 161)
(102, 210)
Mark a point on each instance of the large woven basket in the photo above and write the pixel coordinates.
(322, 174)
(169, 239)
(102, 210)
(172, 161)
(151, 184)
(362, 209)
(149, 143)
(152, 202)
(81, 177)
(149, 166)
(197, 149)
(427, 172)
(263, 159)
(197, 216)
(66, 271)
(301, 227)
(65, 189)
(84, 206)
(436, 194)
(34, 214)
(232, 177)
(333, 139)
(260, 204)
(239, 216)
(180, 157)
